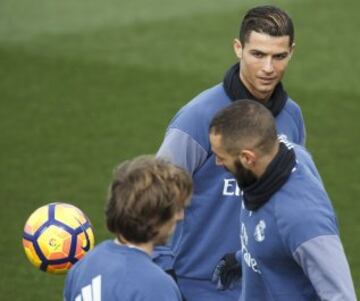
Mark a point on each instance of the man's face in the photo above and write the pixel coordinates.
(244, 176)
(263, 62)
(222, 157)
(167, 229)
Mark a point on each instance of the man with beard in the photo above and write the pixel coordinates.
(146, 199)
(210, 227)
(290, 245)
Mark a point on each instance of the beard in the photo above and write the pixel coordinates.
(244, 177)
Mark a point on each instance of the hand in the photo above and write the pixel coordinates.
(227, 272)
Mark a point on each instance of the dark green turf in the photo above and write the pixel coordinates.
(86, 85)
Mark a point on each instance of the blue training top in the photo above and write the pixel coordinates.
(211, 224)
(112, 272)
(290, 247)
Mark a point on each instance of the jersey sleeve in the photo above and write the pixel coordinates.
(306, 211)
(183, 150)
(302, 129)
(299, 132)
(67, 287)
(324, 262)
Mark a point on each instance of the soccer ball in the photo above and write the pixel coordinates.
(56, 236)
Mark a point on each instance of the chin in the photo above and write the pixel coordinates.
(266, 88)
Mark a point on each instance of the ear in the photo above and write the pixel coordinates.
(248, 158)
(238, 49)
(292, 49)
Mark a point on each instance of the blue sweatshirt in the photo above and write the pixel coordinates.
(290, 247)
(112, 272)
(211, 224)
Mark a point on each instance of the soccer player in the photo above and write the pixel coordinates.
(290, 245)
(211, 226)
(146, 199)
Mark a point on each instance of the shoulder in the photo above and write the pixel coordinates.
(303, 190)
(293, 110)
(192, 121)
(303, 156)
(104, 252)
(291, 106)
(83, 271)
(303, 209)
(151, 281)
(202, 107)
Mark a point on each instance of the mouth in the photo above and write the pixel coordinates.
(267, 80)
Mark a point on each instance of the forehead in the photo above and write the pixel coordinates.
(217, 145)
(266, 43)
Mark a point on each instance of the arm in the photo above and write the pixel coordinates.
(324, 262)
(183, 150)
(302, 130)
(66, 292)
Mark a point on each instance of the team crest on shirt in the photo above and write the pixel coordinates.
(259, 233)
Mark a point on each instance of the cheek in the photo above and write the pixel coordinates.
(281, 67)
(248, 60)
(251, 65)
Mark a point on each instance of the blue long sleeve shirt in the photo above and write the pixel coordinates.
(211, 224)
(112, 272)
(290, 247)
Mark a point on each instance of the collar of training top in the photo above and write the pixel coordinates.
(275, 176)
(236, 90)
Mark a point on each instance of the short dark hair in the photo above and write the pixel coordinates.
(267, 19)
(145, 193)
(245, 124)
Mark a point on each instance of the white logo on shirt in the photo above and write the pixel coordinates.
(250, 261)
(230, 187)
(259, 233)
(284, 139)
(91, 292)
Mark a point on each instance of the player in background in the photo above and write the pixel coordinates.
(290, 244)
(211, 225)
(146, 199)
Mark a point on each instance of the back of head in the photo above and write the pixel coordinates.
(145, 193)
(267, 19)
(245, 124)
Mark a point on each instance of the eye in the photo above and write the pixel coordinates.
(281, 56)
(258, 54)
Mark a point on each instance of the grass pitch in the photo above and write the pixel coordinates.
(87, 84)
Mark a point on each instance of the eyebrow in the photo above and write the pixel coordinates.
(262, 52)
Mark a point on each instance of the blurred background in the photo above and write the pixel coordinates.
(87, 84)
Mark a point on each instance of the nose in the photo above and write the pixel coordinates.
(268, 66)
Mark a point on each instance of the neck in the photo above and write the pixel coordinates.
(263, 97)
(265, 160)
(147, 247)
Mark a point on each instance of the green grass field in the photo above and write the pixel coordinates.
(87, 84)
